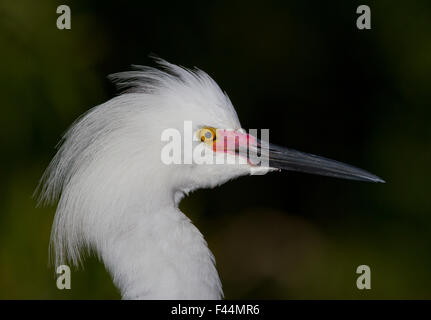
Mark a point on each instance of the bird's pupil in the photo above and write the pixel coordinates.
(208, 135)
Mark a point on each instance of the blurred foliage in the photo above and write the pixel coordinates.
(301, 69)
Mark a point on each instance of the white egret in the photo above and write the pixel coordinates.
(117, 198)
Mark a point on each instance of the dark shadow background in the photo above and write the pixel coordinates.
(301, 69)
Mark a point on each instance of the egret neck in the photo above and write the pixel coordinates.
(160, 254)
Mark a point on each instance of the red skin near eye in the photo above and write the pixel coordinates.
(228, 141)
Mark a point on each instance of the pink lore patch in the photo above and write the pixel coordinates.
(228, 141)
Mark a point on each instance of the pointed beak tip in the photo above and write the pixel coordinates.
(380, 180)
(371, 178)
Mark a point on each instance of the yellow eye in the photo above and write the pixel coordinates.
(207, 134)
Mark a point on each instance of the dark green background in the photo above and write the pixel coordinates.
(301, 69)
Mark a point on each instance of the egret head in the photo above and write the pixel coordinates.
(188, 130)
(207, 145)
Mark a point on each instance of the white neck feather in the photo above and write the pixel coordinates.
(164, 256)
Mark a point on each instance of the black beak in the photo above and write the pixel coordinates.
(289, 159)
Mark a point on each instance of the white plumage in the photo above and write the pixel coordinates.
(118, 199)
